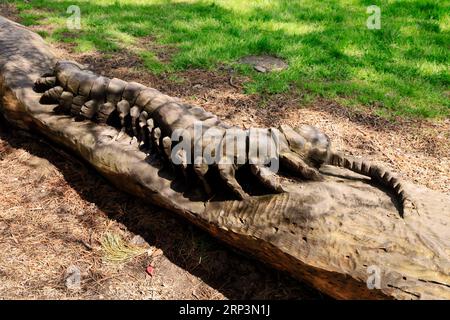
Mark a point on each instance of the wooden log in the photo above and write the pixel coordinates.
(343, 235)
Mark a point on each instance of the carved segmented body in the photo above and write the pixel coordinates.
(153, 118)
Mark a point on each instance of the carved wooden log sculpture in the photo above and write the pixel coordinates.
(326, 225)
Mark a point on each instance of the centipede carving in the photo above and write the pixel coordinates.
(150, 118)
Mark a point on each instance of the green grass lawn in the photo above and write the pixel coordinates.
(400, 69)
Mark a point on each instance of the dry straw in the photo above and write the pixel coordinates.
(117, 250)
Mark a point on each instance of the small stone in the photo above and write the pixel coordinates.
(265, 63)
(73, 278)
(260, 69)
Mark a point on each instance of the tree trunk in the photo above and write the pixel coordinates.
(344, 236)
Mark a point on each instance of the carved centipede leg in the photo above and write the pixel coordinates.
(182, 160)
(135, 112)
(104, 111)
(201, 169)
(150, 127)
(123, 109)
(89, 109)
(210, 145)
(295, 164)
(156, 136)
(65, 101)
(227, 172)
(267, 178)
(262, 150)
(228, 163)
(77, 104)
(167, 147)
(44, 83)
(52, 95)
(142, 122)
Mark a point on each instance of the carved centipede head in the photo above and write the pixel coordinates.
(319, 142)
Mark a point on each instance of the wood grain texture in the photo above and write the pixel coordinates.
(331, 234)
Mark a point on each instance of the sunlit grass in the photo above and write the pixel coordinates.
(401, 69)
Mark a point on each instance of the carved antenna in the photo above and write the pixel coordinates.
(379, 173)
